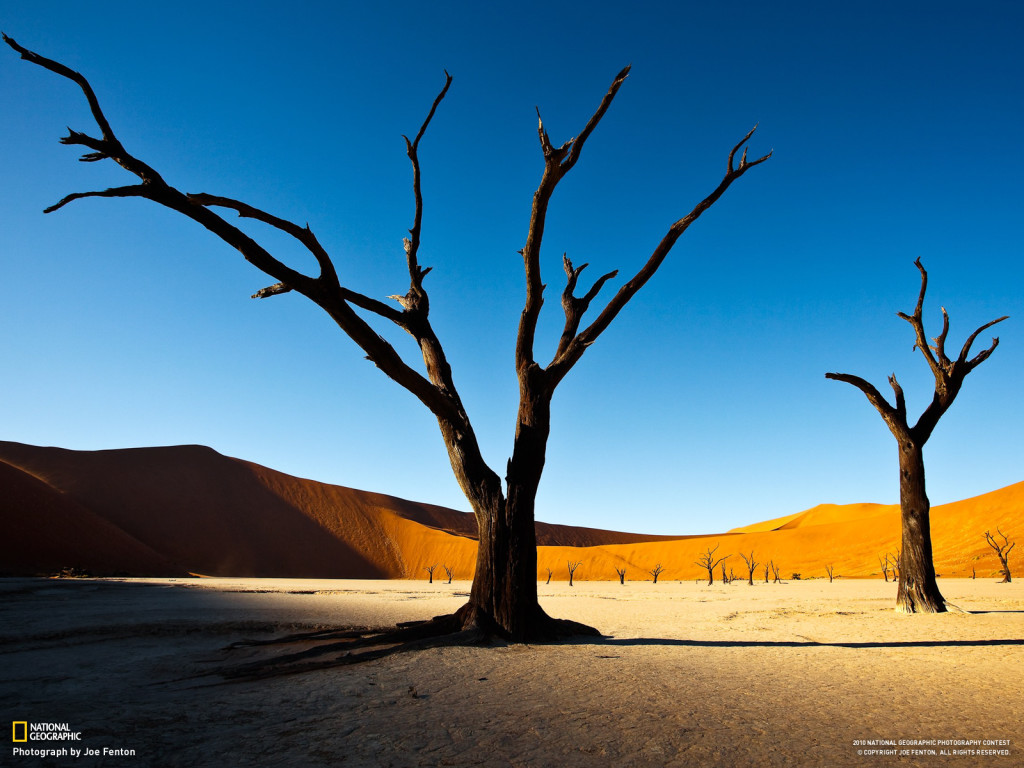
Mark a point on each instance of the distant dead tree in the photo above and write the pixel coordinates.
(572, 569)
(550, 574)
(830, 570)
(725, 576)
(707, 560)
(767, 569)
(430, 569)
(894, 563)
(775, 572)
(450, 573)
(622, 575)
(751, 565)
(918, 591)
(884, 562)
(503, 598)
(1002, 552)
(656, 571)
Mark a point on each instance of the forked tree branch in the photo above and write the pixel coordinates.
(323, 290)
(949, 374)
(574, 351)
(416, 294)
(557, 163)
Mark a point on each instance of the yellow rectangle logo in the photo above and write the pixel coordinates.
(23, 730)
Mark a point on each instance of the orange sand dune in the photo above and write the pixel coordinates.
(849, 537)
(166, 511)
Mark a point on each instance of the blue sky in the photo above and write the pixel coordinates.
(704, 407)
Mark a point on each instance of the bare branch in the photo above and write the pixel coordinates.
(577, 144)
(412, 244)
(303, 234)
(896, 417)
(109, 146)
(575, 308)
(589, 335)
(984, 355)
(134, 190)
(272, 290)
(554, 170)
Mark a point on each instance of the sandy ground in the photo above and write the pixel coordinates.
(688, 675)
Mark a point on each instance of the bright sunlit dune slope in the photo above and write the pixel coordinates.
(850, 538)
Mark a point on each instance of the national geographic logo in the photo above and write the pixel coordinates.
(24, 731)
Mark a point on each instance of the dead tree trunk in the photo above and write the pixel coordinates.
(767, 568)
(503, 598)
(622, 575)
(918, 591)
(830, 570)
(775, 572)
(1002, 552)
(550, 574)
(708, 561)
(884, 562)
(430, 569)
(450, 572)
(751, 565)
(656, 571)
(572, 570)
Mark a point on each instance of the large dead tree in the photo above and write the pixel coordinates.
(503, 598)
(918, 590)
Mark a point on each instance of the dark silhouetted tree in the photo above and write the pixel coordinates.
(503, 597)
(751, 565)
(884, 562)
(430, 569)
(767, 569)
(450, 572)
(656, 571)
(622, 575)
(550, 574)
(830, 570)
(918, 590)
(572, 570)
(775, 573)
(1002, 552)
(708, 561)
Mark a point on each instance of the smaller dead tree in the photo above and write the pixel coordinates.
(751, 565)
(775, 572)
(830, 570)
(656, 571)
(725, 576)
(884, 562)
(708, 561)
(895, 564)
(430, 569)
(572, 569)
(450, 572)
(622, 575)
(767, 570)
(550, 574)
(1002, 552)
